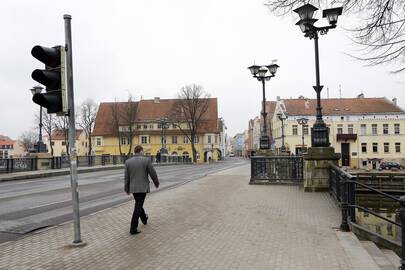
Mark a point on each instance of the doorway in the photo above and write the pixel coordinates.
(346, 154)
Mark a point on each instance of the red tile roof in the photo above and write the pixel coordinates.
(59, 135)
(7, 142)
(147, 111)
(341, 106)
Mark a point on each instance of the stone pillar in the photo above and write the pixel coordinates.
(316, 168)
(44, 160)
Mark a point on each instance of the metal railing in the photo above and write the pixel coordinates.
(277, 168)
(344, 186)
(11, 165)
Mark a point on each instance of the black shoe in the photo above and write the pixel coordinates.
(145, 220)
(135, 232)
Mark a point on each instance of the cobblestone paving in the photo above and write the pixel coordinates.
(218, 222)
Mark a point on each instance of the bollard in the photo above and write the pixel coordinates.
(402, 218)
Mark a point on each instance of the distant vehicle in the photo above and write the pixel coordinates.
(390, 165)
(231, 154)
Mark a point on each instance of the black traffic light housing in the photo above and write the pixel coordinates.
(53, 77)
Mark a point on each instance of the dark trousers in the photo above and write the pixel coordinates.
(139, 212)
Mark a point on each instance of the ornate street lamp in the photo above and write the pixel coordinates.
(319, 132)
(163, 123)
(282, 117)
(37, 90)
(260, 73)
(302, 121)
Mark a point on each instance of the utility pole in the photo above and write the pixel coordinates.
(72, 130)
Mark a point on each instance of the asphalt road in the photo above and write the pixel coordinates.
(29, 205)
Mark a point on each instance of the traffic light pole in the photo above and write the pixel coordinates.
(72, 130)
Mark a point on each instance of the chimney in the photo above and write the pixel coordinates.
(306, 104)
(278, 98)
(394, 101)
(156, 100)
(360, 95)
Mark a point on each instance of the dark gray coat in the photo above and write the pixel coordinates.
(137, 170)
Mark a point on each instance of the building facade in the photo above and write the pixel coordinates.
(366, 131)
(148, 132)
(60, 140)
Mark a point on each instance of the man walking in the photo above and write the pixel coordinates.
(137, 170)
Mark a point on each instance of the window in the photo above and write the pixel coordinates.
(374, 129)
(386, 147)
(123, 141)
(363, 129)
(5, 154)
(364, 147)
(385, 129)
(396, 129)
(209, 138)
(397, 147)
(294, 130)
(151, 126)
(145, 126)
(197, 139)
(138, 126)
(350, 129)
(52, 143)
(306, 130)
(375, 147)
(216, 138)
(389, 229)
(159, 125)
(98, 141)
(185, 139)
(174, 139)
(364, 162)
(63, 143)
(1, 154)
(144, 139)
(340, 129)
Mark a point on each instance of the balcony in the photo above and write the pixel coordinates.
(346, 137)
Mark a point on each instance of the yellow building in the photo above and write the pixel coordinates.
(147, 130)
(366, 131)
(60, 139)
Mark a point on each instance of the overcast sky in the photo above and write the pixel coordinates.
(153, 48)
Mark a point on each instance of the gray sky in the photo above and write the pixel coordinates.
(152, 48)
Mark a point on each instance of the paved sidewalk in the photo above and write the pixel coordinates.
(218, 222)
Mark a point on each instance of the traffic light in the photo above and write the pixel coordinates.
(53, 77)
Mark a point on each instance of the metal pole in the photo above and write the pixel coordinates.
(40, 130)
(402, 217)
(72, 130)
(303, 142)
(318, 83)
(282, 135)
(264, 107)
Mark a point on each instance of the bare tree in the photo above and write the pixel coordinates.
(190, 108)
(88, 111)
(123, 118)
(48, 126)
(62, 125)
(381, 32)
(28, 139)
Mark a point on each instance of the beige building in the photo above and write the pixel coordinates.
(148, 131)
(60, 139)
(366, 131)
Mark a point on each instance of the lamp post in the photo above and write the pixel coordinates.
(282, 117)
(302, 121)
(319, 132)
(259, 72)
(163, 121)
(37, 90)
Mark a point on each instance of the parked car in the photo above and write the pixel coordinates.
(390, 165)
(231, 154)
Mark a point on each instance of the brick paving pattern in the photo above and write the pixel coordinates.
(218, 222)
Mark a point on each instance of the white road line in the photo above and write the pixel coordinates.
(47, 204)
